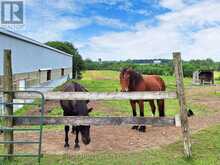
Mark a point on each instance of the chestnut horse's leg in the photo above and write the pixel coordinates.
(77, 138)
(153, 107)
(133, 106)
(141, 106)
(66, 136)
(160, 104)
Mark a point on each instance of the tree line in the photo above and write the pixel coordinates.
(159, 69)
(142, 66)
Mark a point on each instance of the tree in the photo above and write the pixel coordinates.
(67, 47)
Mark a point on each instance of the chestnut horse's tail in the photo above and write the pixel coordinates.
(161, 103)
(161, 107)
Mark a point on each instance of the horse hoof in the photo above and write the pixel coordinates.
(135, 127)
(66, 146)
(77, 147)
(142, 129)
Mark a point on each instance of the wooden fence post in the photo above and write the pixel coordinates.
(182, 103)
(8, 98)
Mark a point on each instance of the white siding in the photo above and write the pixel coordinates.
(28, 57)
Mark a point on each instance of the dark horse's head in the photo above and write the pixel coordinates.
(77, 108)
(129, 79)
(84, 129)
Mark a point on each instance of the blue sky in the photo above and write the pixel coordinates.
(128, 29)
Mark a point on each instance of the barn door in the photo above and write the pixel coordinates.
(21, 85)
(48, 75)
(62, 72)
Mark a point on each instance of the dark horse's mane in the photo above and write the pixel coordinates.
(72, 87)
(135, 77)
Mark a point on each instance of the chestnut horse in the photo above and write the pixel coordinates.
(133, 81)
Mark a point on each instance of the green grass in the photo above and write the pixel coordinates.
(100, 75)
(206, 147)
(22, 111)
(217, 75)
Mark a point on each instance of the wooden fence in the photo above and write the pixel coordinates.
(82, 120)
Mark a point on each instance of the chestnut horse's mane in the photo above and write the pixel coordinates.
(135, 78)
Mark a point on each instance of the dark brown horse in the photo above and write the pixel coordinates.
(133, 81)
(76, 108)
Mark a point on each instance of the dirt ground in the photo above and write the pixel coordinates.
(121, 139)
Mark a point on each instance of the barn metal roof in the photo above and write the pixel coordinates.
(29, 40)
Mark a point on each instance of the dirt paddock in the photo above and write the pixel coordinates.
(112, 138)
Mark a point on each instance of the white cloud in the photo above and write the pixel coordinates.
(46, 20)
(198, 14)
(144, 43)
(114, 23)
(69, 5)
(54, 28)
(173, 4)
(206, 44)
(193, 29)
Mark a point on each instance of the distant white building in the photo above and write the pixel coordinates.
(157, 61)
(29, 55)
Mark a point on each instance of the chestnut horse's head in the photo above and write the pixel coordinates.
(125, 79)
(129, 80)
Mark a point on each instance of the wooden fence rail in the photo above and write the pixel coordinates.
(99, 95)
(85, 120)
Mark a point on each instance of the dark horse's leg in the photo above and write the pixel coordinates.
(153, 107)
(77, 138)
(73, 129)
(66, 136)
(141, 106)
(160, 104)
(133, 106)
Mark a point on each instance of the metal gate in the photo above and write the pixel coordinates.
(39, 128)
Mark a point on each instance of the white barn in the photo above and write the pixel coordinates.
(29, 55)
(33, 63)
